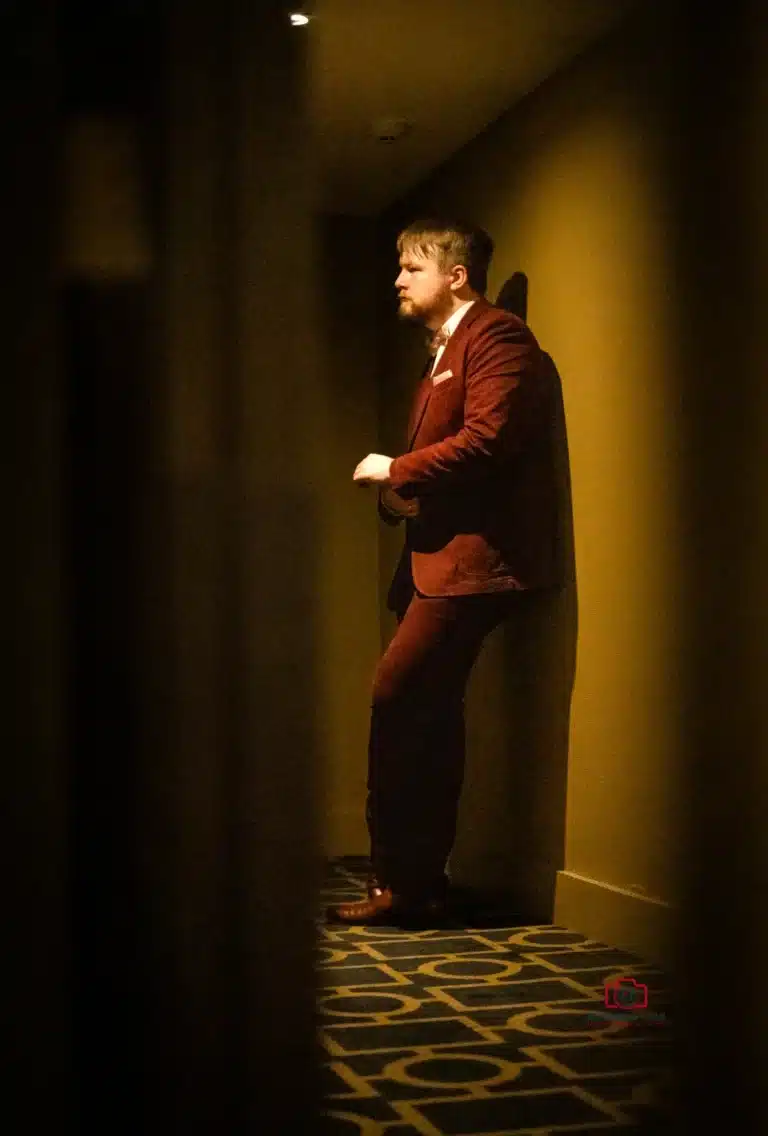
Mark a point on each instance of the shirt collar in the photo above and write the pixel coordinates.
(453, 322)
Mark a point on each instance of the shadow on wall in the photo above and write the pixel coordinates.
(511, 837)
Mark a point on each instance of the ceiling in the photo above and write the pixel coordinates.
(449, 67)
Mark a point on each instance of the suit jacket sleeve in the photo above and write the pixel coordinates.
(502, 393)
(387, 515)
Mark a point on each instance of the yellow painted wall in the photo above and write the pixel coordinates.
(347, 551)
(572, 187)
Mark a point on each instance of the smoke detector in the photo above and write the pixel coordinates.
(390, 129)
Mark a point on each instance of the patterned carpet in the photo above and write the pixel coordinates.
(485, 1026)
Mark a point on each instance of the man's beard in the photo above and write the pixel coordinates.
(409, 313)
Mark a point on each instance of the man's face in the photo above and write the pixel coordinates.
(424, 291)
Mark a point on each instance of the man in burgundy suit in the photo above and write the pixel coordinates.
(477, 493)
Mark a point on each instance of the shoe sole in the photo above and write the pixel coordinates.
(405, 919)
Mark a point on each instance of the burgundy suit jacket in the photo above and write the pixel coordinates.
(480, 463)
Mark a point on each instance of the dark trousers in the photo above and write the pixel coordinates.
(416, 750)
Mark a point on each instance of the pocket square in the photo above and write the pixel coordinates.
(436, 379)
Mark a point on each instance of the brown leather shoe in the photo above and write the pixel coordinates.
(384, 907)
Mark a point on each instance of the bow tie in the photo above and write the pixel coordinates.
(437, 340)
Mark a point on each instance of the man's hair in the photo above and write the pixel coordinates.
(451, 243)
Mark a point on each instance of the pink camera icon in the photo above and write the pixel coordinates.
(625, 993)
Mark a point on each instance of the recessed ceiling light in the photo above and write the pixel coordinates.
(298, 19)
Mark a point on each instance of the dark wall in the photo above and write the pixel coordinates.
(38, 1009)
(165, 658)
(718, 237)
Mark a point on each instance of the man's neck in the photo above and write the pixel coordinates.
(456, 302)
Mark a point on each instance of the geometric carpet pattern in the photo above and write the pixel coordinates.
(486, 1026)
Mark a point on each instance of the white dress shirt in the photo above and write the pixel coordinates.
(449, 327)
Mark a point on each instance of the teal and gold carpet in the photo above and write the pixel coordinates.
(486, 1027)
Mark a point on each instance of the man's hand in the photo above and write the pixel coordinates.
(396, 505)
(373, 470)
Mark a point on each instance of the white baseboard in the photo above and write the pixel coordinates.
(616, 916)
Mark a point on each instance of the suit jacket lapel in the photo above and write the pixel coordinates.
(425, 389)
(420, 402)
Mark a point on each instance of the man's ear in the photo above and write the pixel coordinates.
(460, 276)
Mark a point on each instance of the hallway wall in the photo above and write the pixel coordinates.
(38, 1007)
(348, 582)
(573, 187)
(233, 613)
(168, 439)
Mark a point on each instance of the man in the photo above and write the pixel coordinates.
(477, 494)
